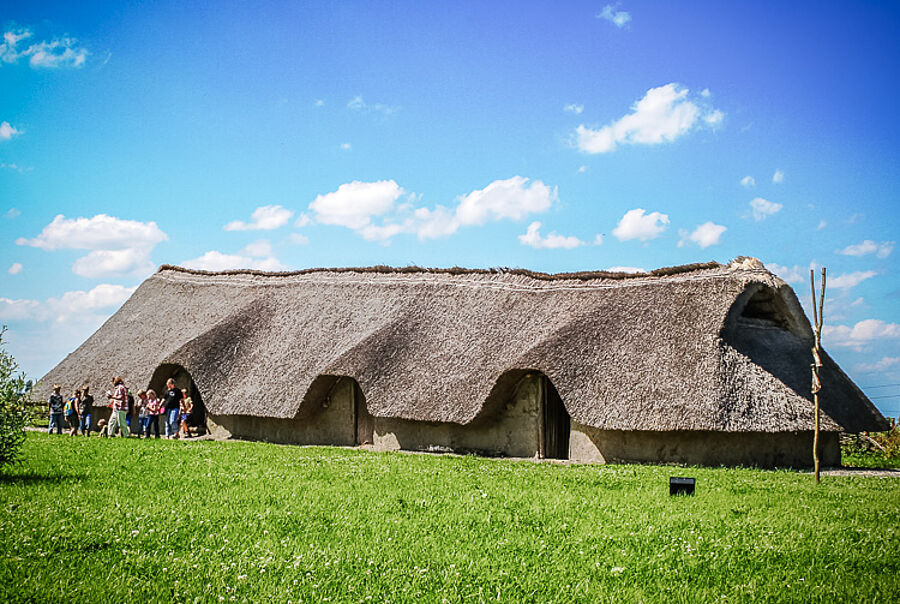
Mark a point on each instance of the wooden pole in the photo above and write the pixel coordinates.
(818, 316)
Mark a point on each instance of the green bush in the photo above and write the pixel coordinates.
(13, 411)
(875, 450)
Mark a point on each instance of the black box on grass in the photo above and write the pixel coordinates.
(681, 486)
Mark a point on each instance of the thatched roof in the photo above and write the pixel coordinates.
(703, 347)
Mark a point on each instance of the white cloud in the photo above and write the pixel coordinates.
(704, 235)
(848, 280)
(822, 224)
(800, 274)
(663, 115)
(115, 263)
(102, 232)
(881, 250)
(573, 108)
(598, 239)
(119, 247)
(12, 213)
(13, 310)
(358, 104)
(748, 181)
(705, 93)
(512, 198)
(838, 306)
(582, 169)
(7, 131)
(637, 224)
(778, 177)
(860, 335)
(16, 167)
(15, 269)
(319, 103)
(299, 239)
(762, 208)
(354, 204)
(533, 238)
(259, 249)
(625, 269)
(791, 274)
(346, 146)
(714, 117)
(619, 18)
(217, 261)
(11, 39)
(303, 220)
(59, 52)
(74, 305)
(263, 218)
(257, 256)
(882, 364)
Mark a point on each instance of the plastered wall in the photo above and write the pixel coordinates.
(708, 448)
(329, 423)
(511, 432)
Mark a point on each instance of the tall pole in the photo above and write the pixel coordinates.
(817, 362)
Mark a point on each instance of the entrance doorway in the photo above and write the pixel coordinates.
(183, 380)
(555, 423)
(363, 423)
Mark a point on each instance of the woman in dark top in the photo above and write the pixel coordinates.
(87, 406)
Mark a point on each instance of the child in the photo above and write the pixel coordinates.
(56, 410)
(143, 415)
(71, 412)
(187, 406)
(154, 410)
(101, 425)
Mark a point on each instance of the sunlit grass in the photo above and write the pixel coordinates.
(131, 520)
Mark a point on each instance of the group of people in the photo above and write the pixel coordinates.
(175, 408)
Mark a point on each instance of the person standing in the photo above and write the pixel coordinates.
(187, 407)
(172, 402)
(130, 413)
(154, 408)
(87, 407)
(56, 410)
(71, 411)
(119, 400)
(143, 414)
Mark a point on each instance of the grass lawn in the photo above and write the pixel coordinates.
(133, 521)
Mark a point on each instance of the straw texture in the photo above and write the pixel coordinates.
(702, 347)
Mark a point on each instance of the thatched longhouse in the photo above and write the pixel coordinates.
(705, 364)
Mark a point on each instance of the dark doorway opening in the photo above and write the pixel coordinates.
(555, 423)
(363, 423)
(183, 380)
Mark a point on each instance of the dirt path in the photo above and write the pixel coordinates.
(864, 472)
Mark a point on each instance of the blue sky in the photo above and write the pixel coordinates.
(551, 136)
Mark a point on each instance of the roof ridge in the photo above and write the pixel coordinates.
(456, 270)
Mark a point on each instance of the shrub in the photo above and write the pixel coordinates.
(876, 449)
(13, 412)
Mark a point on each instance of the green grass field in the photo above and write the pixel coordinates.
(133, 521)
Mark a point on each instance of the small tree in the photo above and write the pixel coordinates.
(13, 412)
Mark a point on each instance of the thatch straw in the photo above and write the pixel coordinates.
(666, 350)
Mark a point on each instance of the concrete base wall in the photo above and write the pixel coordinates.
(333, 424)
(706, 448)
(511, 432)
